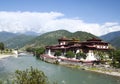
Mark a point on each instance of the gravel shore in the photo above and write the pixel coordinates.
(8, 55)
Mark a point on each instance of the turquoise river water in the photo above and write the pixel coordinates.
(56, 73)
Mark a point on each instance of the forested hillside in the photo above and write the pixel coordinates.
(18, 41)
(6, 35)
(113, 38)
(51, 38)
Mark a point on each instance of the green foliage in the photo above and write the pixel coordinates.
(2, 46)
(110, 53)
(58, 53)
(70, 54)
(101, 54)
(1, 82)
(39, 51)
(30, 49)
(30, 76)
(115, 56)
(7, 51)
(36, 51)
(80, 55)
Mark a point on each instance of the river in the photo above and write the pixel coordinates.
(57, 73)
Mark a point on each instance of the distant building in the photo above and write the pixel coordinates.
(88, 47)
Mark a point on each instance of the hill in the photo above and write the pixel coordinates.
(6, 35)
(108, 37)
(18, 41)
(116, 42)
(14, 40)
(113, 38)
(51, 38)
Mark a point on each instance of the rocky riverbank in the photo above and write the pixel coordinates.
(100, 69)
(84, 66)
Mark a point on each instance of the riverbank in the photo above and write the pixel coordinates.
(83, 66)
(107, 71)
(7, 55)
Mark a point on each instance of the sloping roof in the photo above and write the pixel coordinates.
(60, 48)
(64, 39)
(94, 39)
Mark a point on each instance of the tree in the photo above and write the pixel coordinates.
(10, 50)
(30, 76)
(110, 53)
(116, 55)
(39, 51)
(57, 53)
(116, 58)
(2, 47)
(70, 54)
(101, 55)
(29, 49)
(80, 55)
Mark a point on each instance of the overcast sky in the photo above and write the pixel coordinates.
(98, 17)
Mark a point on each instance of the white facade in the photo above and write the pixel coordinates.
(49, 52)
(90, 56)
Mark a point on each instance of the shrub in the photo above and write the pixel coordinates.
(30, 76)
(57, 53)
(80, 55)
(70, 54)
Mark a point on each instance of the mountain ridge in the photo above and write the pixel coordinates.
(18, 41)
(51, 38)
(6, 35)
(111, 35)
(113, 38)
(12, 40)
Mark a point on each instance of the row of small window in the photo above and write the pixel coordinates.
(105, 47)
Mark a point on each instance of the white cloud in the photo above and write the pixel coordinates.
(45, 22)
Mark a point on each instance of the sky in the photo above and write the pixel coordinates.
(98, 17)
